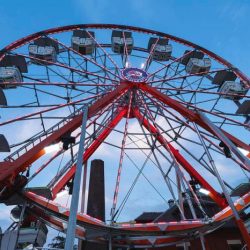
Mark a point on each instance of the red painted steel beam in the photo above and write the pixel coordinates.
(89, 151)
(39, 60)
(190, 114)
(180, 159)
(9, 170)
(47, 110)
(186, 76)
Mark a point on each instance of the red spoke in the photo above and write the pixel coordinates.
(85, 57)
(188, 125)
(105, 52)
(8, 168)
(191, 115)
(92, 121)
(169, 64)
(118, 178)
(152, 49)
(186, 76)
(89, 151)
(126, 48)
(49, 109)
(216, 114)
(209, 112)
(60, 84)
(203, 91)
(181, 160)
(63, 66)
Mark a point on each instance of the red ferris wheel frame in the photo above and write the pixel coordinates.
(10, 169)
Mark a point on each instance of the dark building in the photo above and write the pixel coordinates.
(227, 236)
(96, 200)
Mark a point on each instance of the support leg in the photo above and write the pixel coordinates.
(239, 222)
(70, 236)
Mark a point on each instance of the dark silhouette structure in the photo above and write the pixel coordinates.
(96, 200)
(96, 197)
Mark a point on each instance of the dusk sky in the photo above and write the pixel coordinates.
(220, 26)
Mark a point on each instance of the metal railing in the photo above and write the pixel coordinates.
(39, 138)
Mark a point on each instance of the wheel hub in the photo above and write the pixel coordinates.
(134, 75)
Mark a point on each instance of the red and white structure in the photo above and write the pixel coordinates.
(190, 105)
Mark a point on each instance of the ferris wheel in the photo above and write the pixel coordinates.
(162, 111)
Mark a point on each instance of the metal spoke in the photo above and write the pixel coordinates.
(105, 52)
(121, 161)
(85, 57)
(169, 64)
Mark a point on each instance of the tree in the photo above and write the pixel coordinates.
(58, 242)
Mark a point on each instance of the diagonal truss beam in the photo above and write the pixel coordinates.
(89, 151)
(225, 140)
(9, 170)
(190, 114)
(180, 159)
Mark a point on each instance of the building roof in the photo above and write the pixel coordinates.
(147, 217)
(173, 213)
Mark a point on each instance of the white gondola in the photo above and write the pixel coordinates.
(191, 54)
(11, 69)
(161, 50)
(121, 39)
(10, 74)
(224, 75)
(82, 42)
(196, 65)
(47, 53)
(44, 48)
(231, 87)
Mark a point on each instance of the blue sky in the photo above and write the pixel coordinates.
(220, 26)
